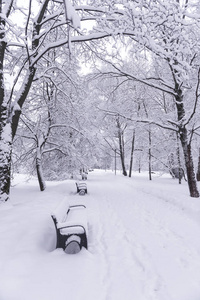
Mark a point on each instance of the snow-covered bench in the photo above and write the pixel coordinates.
(71, 227)
(84, 176)
(81, 188)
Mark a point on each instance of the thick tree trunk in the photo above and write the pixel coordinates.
(5, 130)
(189, 165)
(22, 95)
(186, 146)
(5, 160)
(5, 150)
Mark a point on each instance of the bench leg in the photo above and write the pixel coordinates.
(82, 192)
(73, 244)
(84, 241)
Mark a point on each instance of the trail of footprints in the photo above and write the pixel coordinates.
(123, 254)
(129, 254)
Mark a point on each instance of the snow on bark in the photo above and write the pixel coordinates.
(7, 7)
(5, 162)
(187, 151)
(20, 99)
(6, 137)
(71, 14)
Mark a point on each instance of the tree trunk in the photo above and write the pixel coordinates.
(198, 170)
(121, 148)
(180, 170)
(150, 177)
(22, 95)
(28, 79)
(132, 150)
(190, 168)
(186, 145)
(5, 129)
(5, 160)
(139, 169)
(122, 156)
(39, 172)
(115, 161)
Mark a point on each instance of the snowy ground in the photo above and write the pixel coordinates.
(143, 242)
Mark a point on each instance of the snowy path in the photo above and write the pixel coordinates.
(143, 243)
(143, 249)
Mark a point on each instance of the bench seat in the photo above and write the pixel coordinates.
(72, 230)
(81, 188)
(71, 224)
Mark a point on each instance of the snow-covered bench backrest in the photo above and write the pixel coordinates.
(61, 210)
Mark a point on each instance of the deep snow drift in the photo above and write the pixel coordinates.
(143, 241)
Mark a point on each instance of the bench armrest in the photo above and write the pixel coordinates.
(77, 206)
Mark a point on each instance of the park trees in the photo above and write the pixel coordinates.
(53, 139)
(166, 32)
(128, 113)
(22, 47)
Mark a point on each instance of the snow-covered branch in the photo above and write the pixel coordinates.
(162, 86)
(139, 120)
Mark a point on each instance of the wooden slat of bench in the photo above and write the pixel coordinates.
(82, 185)
(70, 230)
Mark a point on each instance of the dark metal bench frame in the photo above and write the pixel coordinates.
(62, 238)
(81, 186)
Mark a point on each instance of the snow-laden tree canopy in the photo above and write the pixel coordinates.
(166, 31)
